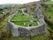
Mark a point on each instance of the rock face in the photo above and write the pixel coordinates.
(28, 31)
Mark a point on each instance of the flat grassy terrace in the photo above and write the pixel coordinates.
(24, 19)
(26, 23)
(21, 16)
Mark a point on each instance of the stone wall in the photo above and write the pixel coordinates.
(38, 30)
(27, 31)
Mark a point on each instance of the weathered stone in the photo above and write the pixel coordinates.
(28, 31)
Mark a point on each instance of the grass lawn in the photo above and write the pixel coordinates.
(20, 16)
(26, 23)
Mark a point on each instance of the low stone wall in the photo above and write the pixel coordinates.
(25, 31)
(38, 30)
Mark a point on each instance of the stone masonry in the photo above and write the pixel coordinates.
(28, 31)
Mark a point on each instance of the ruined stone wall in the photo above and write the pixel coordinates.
(24, 31)
(38, 30)
(27, 31)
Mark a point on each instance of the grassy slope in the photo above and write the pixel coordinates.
(3, 21)
(49, 2)
(37, 37)
(48, 12)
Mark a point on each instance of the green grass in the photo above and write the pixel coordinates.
(17, 38)
(20, 16)
(1, 23)
(49, 2)
(36, 37)
(26, 23)
(49, 28)
(50, 15)
(0, 12)
(22, 7)
(32, 10)
(49, 12)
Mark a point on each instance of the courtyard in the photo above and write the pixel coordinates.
(24, 19)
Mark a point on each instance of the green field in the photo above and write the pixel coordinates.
(25, 17)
